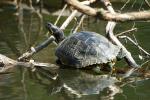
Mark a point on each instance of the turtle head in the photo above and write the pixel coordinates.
(56, 32)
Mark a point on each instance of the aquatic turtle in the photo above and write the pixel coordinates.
(84, 48)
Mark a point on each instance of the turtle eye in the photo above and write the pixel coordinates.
(49, 27)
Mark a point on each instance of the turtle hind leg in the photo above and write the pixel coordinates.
(111, 68)
(97, 69)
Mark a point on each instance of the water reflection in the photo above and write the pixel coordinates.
(17, 31)
(80, 83)
(73, 84)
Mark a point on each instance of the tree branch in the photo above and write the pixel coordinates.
(109, 31)
(82, 8)
(118, 17)
(105, 15)
(8, 63)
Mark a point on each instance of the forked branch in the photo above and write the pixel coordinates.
(106, 15)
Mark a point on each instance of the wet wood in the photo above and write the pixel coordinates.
(7, 63)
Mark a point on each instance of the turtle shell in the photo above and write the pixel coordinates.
(86, 48)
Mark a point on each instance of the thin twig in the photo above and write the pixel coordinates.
(147, 3)
(24, 84)
(79, 24)
(145, 62)
(68, 20)
(133, 3)
(127, 31)
(140, 8)
(135, 44)
(125, 5)
(58, 18)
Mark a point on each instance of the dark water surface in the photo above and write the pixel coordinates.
(18, 33)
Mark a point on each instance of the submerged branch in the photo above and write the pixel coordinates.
(8, 63)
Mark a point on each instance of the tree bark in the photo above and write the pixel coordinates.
(106, 15)
(118, 17)
(8, 63)
(82, 8)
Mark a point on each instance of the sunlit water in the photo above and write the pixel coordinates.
(18, 33)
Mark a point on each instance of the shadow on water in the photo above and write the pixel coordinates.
(18, 33)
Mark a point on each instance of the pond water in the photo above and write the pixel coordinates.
(19, 33)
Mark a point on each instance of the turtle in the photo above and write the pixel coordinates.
(84, 48)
